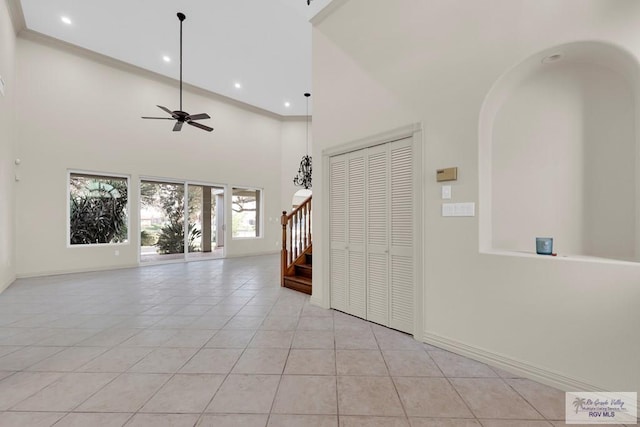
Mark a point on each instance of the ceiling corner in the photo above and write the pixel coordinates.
(327, 11)
(17, 15)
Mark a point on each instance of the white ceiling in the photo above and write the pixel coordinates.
(263, 45)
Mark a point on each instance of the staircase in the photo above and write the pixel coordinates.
(301, 278)
(297, 250)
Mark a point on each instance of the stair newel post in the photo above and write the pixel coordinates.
(283, 252)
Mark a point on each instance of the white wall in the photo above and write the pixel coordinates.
(7, 65)
(79, 111)
(294, 142)
(563, 162)
(395, 63)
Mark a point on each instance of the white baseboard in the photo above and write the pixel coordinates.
(317, 301)
(5, 285)
(73, 271)
(244, 255)
(544, 376)
(122, 267)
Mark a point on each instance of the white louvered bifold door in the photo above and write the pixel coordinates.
(338, 231)
(401, 286)
(356, 218)
(378, 234)
(371, 204)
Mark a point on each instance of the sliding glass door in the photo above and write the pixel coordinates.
(206, 218)
(175, 227)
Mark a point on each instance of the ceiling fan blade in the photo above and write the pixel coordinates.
(199, 116)
(159, 118)
(198, 125)
(165, 109)
(177, 126)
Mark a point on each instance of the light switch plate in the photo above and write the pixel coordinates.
(446, 192)
(1, 86)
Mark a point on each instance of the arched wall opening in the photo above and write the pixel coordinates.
(299, 197)
(559, 154)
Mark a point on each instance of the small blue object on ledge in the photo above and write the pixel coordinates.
(544, 245)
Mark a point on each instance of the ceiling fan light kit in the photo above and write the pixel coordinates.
(180, 116)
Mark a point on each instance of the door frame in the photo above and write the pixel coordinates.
(413, 131)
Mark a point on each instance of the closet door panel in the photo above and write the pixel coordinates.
(339, 279)
(401, 289)
(401, 284)
(401, 195)
(378, 288)
(357, 292)
(338, 232)
(356, 219)
(378, 234)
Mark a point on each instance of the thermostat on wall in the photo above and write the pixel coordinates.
(448, 174)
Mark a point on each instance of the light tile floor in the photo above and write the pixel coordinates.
(219, 343)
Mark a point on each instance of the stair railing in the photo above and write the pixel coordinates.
(296, 237)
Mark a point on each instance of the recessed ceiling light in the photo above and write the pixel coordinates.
(287, 104)
(553, 58)
(165, 58)
(237, 85)
(66, 20)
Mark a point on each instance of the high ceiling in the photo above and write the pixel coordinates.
(263, 46)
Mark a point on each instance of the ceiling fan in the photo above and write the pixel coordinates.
(181, 116)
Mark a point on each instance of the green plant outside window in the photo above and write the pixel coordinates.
(97, 209)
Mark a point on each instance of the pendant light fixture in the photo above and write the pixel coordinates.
(303, 179)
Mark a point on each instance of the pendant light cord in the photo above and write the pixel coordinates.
(181, 64)
(307, 95)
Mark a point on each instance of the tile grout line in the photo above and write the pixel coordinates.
(273, 402)
(203, 413)
(395, 387)
(526, 400)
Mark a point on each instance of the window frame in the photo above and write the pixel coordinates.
(68, 208)
(259, 210)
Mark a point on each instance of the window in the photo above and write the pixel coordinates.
(245, 217)
(98, 211)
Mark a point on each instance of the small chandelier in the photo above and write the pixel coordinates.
(303, 178)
